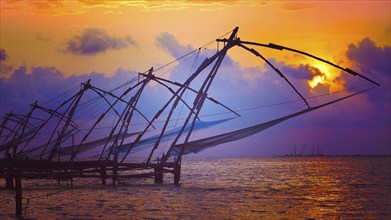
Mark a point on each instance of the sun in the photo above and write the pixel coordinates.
(321, 75)
(316, 80)
(324, 74)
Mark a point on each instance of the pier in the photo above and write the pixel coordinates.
(13, 171)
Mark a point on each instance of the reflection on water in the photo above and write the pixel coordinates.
(262, 188)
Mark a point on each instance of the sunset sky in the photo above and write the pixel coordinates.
(46, 47)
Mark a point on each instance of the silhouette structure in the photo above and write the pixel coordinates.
(67, 141)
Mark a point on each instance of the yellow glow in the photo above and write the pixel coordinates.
(326, 75)
(323, 68)
(321, 77)
(315, 81)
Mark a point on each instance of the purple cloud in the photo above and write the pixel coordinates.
(43, 83)
(5, 67)
(374, 62)
(371, 59)
(169, 44)
(3, 55)
(93, 41)
(303, 72)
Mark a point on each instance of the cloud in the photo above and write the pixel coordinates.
(44, 84)
(3, 55)
(92, 2)
(23, 87)
(296, 6)
(48, 4)
(302, 71)
(374, 62)
(371, 59)
(170, 44)
(5, 68)
(94, 41)
(42, 37)
(42, 7)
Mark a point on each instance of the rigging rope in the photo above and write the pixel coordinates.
(134, 79)
(191, 52)
(243, 109)
(91, 105)
(186, 93)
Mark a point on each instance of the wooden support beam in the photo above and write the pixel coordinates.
(9, 178)
(103, 173)
(18, 196)
(177, 174)
(115, 170)
(158, 171)
(9, 183)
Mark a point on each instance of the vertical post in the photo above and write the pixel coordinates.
(58, 171)
(9, 180)
(73, 144)
(115, 171)
(177, 171)
(158, 174)
(177, 175)
(103, 174)
(115, 178)
(18, 195)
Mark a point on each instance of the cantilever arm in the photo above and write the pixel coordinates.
(173, 92)
(19, 118)
(120, 99)
(97, 91)
(193, 90)
(58, 115)
(279, 47)
(275, 69)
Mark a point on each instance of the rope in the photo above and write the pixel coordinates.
(191, 52)
(240, 110)
(297, 100)
(134, 79)
(259, 107)
(186, 93)
(165, 72)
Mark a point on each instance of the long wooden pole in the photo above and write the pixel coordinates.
(18, 195)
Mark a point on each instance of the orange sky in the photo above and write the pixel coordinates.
(33, 32)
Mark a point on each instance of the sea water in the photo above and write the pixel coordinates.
(223, 188)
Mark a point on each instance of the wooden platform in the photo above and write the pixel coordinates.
(13, 171)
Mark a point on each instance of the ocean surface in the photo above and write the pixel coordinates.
(223, 188)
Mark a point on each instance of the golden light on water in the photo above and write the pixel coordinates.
(225, 188)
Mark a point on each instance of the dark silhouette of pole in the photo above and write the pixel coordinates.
(18, 195)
